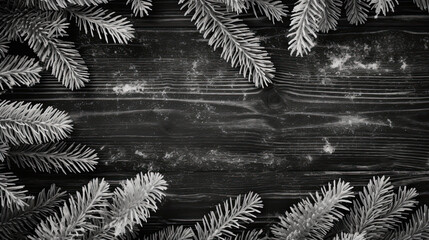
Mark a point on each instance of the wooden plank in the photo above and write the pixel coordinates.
(357, 106)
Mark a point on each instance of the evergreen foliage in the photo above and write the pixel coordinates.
(53, 157)
(378, 213)
(17, 71)
(11, 194)
(312, 219)
(41, 24)
(17, 222)
(24, 123)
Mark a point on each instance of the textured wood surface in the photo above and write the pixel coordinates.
(357, 106)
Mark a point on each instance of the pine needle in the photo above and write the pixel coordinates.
(374, 202)
(54, 157)
(417, 228)
(422, 4)
(274, 10)
(23, 123)
(4, 149)
(383, 6)
(349, 236)
(330, 15)
(135, 199)
(40, 31)
(59, 4)
(232, 214)
(356, 11)
(402, 203)
(140, 8)
(304, 25)
(173, 233)
(239, 45)
(249, 235)
(11, 194)
(17, 71)
(312, 219)
(237, 6)
(15, 222)
(104, 23)
(3, 47)
(75, 215)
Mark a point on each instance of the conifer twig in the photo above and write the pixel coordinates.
(140, 8)
(306, 16)
(356, 11)
(172, 233)
(11, 194)
(349, 236)
(230, 214)
(75, 215)
(53, 157)
(23, 123)
(4, 149)
(40, 31)
(330, 15)
(3, 47)
(104, 23)
(274, 10)
(416, 228)
(312, 219)
(422, 4)
(239, 45)
(15, 222)
(374, 202)
(383, 6)
(135, 199)
(249, 235)
(17, 71)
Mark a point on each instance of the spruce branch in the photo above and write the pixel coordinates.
(11, 194)
(403, 202)
(356, 11)
(4, 149)
(140, 8)
(417, 228)
(422, 4)
(374, 202)
(349, 236)
(76, 214)
(275, 10)
(14, 222)
(249, 235)
(59, 4)
(230, 214)
(237, 6)
(3, 47)
(330, 15)
(53, 157)
(23, 123)
(104, 23)
(312, 219)
(135, 199)
(239, 45)
(17, 71)
(383, 6)
(172, 233)
(40, 31)
(304, 25)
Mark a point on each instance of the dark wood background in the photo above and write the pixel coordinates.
(356, 107)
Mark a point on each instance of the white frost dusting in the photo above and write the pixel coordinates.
(328, 148)
(129, 88)
(339, 62)
(140, 153)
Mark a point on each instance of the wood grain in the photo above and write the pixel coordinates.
(357, 106)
